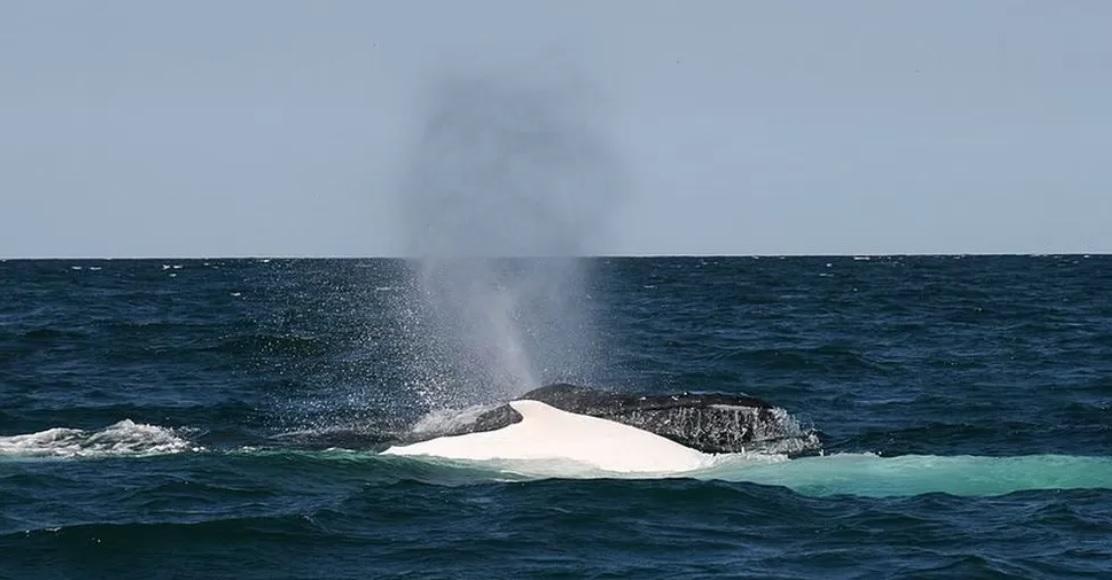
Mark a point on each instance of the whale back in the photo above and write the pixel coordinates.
(707, 422)
(545, 433)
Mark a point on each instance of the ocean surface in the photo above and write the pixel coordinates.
(224, 418)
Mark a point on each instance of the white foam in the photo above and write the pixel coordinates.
(123, 438)
(547, 434)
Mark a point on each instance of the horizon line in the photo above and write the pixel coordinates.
(547, 257)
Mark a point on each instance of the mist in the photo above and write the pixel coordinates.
(510, 178)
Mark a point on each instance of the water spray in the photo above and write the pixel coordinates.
(510, 181)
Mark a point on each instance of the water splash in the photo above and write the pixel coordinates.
(125, 438)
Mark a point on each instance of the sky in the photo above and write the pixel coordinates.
(276, 128)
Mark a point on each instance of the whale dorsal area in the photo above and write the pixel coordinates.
(547, 433)
(706, 422)
(709, 422)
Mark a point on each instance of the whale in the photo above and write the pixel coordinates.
(545, 433)
(615, 431)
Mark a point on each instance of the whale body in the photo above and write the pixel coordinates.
(561, 421)
(546, 433)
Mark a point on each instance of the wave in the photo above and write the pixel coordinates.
(856, 474)
(851, 474)
(125, 438)
(867, 474)
(826, 358)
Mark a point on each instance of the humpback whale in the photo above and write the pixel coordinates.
(619, 431)
(546, 433)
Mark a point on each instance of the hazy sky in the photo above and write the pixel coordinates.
(208, 128)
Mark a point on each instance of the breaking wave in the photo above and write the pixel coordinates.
(125, 438)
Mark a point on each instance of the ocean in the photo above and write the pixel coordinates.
(224, 418)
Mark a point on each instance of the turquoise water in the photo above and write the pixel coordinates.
(222, 418)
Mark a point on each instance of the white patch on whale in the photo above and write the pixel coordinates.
(547, 433)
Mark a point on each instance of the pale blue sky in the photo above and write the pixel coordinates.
(209, 128)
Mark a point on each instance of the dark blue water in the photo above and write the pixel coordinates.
(222, 418)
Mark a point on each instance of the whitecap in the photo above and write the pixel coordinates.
(126, 438)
